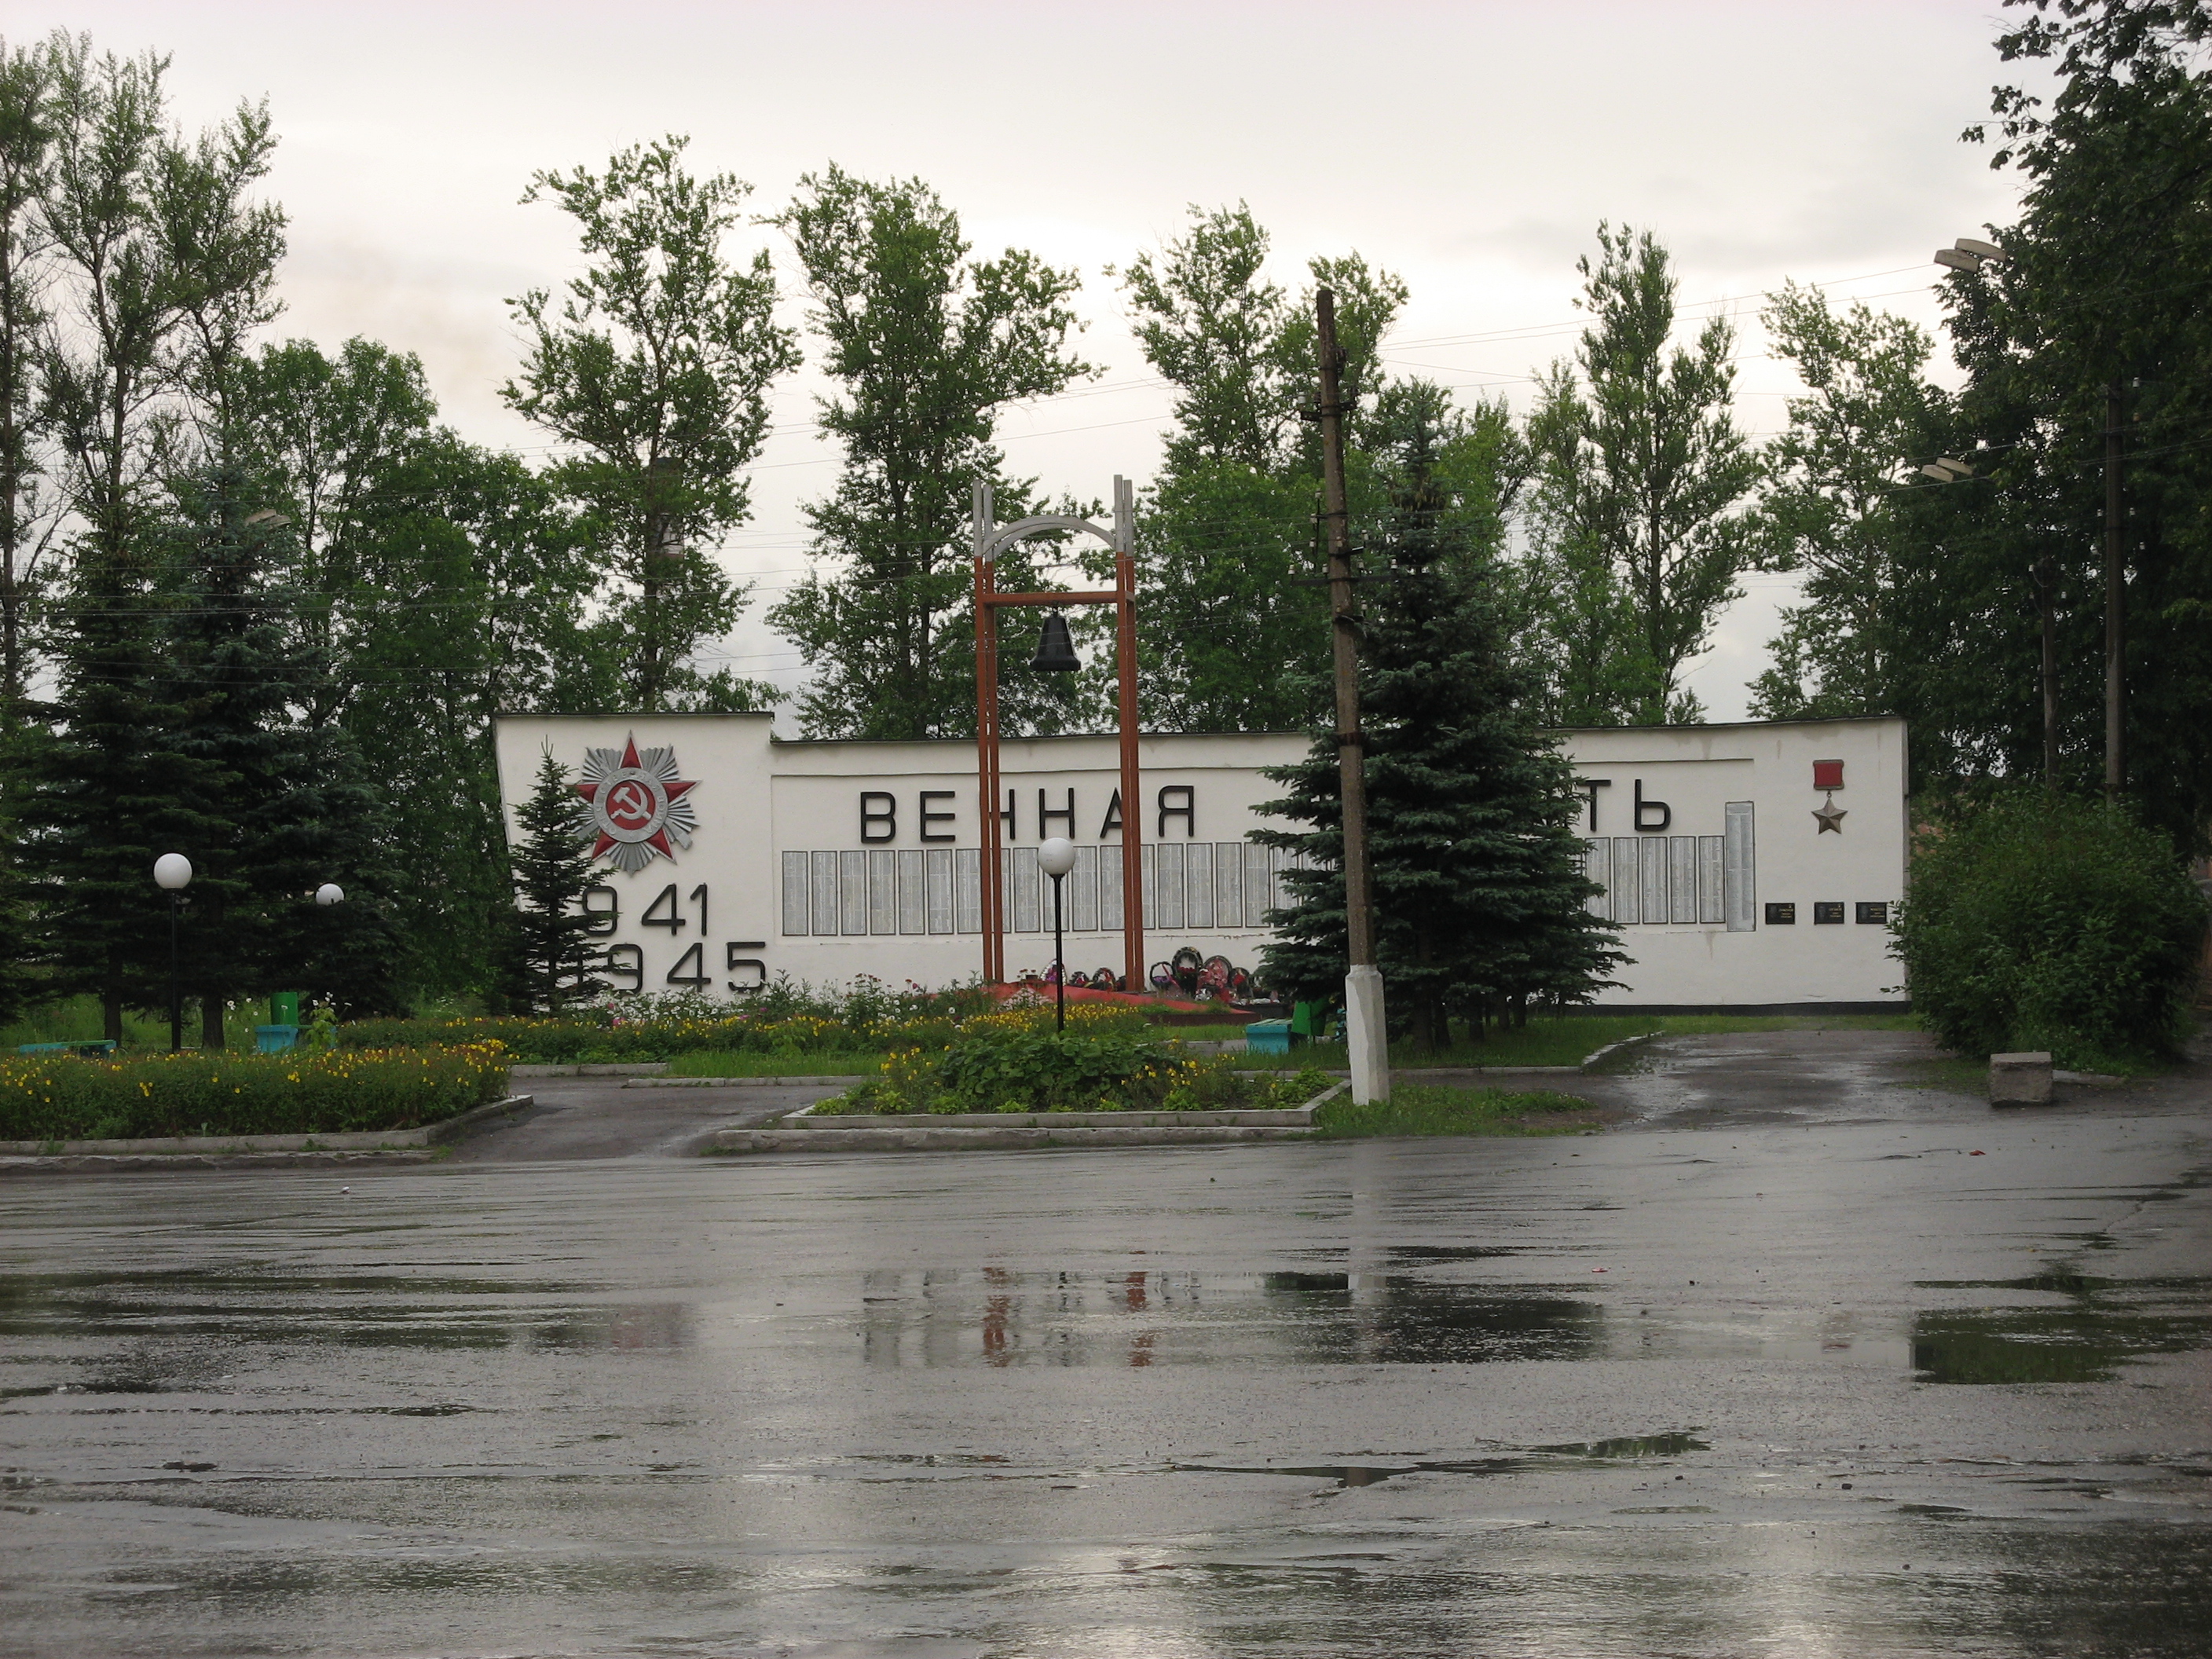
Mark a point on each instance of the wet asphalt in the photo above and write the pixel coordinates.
(1807, 1356)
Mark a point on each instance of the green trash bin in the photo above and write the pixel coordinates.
(284, 1008)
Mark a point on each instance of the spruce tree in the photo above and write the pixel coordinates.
(1479, 893)
(288, 807)
(558, 962)
(108, 790)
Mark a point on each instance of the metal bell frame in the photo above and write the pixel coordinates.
(991, 540)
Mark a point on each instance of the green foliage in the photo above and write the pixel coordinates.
(1640, 466)
(2111, 159)
(929, 346)
(655, 370)
(785, 1019)
(552, 867)
(26, 137)
(430, 584)
(58, 1097)
(1105, 1061)
(1832, 510)
(1475, 864)
(1419, 1110)
(2040, 922)
(1230, 639)
(281, 807)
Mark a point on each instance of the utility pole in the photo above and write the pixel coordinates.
(2116, 606)
(1366, 1039)
(662, 561)
(2046, 577)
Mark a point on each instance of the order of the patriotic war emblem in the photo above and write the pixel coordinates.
(637, 804)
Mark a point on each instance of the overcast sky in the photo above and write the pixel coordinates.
(1471, 147)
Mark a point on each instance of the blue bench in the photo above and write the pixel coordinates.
(1268, 1036)
(276, 1039)
(89, 1047)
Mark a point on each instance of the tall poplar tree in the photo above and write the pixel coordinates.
(652, 369)
(28, 119)
(929, 347)
(1832, 510)
(1235, 636)
(1640, 469)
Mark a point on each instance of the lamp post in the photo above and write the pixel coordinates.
(329, 893)
(1056, 858)
(173, 874)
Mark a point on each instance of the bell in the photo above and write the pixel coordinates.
(1055, 653)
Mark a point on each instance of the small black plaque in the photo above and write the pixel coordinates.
(1781, 915)
(1827, 911)
(1874, 910)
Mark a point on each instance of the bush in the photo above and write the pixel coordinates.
(2043, 923)
(57, 1097)
(1104, 1061)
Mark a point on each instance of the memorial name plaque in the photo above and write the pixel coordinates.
(1781, 915)
(1874, 910)
(1826, 910)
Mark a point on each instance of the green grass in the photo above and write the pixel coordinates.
(1571, 1039)
(1416, 1109)
(723, 1063)
(78, 1018)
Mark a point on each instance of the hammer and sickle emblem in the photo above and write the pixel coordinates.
(629, 805)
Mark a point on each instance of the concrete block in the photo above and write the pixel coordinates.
(1367, 1042)
(2021, 1079)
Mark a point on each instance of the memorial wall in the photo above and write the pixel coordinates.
(1749, 865)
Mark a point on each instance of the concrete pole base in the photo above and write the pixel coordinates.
(1366, 1038)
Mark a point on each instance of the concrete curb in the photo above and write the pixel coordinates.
(1589, 1061)
(123, 1162)
(847, 1080)
(637, 1068)
(1022, 1131)
(1444, 1073)
(968, 1140)
(177, 1149)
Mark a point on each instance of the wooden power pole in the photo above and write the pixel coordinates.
(1366, 1039)
(2116, 606)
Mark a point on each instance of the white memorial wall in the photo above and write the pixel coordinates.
(1749, 865)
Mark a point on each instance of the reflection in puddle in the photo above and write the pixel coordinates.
(182, 1326)
(1000, 1317)
(2106, 1323)
(2065, 1345)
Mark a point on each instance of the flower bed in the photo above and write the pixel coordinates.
(1104, 1061)
(58, 1097)
(783, 1020)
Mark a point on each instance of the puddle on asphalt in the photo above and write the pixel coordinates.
(2106, 1323)
(169, 1314)
(1000, 1317)
(1005, 1318)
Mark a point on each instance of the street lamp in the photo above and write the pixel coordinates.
(329, 893)
(1056, 858)
(1968, 254)
(173, 874)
